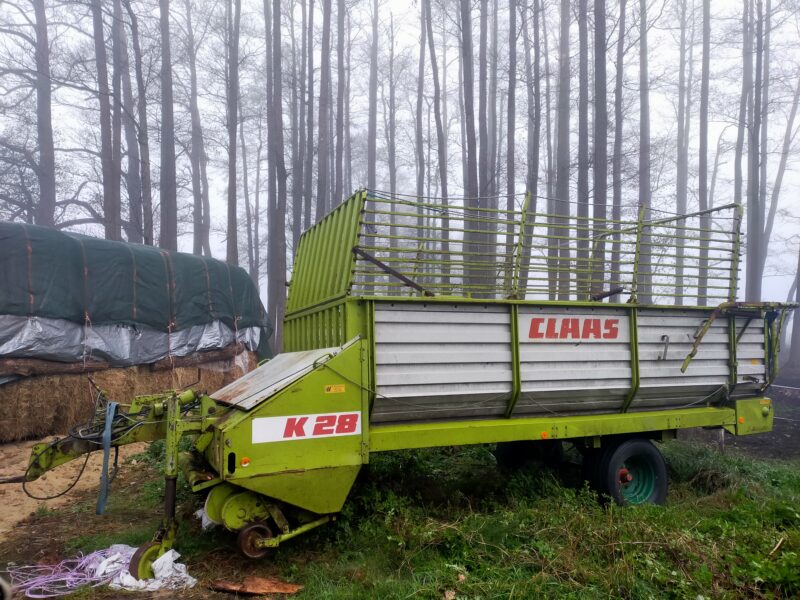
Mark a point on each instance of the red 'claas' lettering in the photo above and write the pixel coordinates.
(573, 328)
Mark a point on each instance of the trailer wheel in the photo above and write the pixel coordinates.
(634, 472)
(248, 539)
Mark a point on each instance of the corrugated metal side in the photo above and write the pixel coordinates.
(441, 361)
(569, 376)
(323, 328)
(323, 265)
(662, 385)
(751, 371)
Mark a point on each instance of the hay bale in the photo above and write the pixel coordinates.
(41, 405)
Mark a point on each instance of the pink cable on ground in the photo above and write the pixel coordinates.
(51, 581)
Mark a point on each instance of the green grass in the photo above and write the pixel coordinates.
(448, 523)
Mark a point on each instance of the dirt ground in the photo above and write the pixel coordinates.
(782, 442)
(17, 505)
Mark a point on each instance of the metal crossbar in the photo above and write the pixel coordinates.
(477, 249)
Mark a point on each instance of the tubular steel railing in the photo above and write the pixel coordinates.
(477, 249)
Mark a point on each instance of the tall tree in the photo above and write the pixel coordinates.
(323, 146)
(471, 201)
(168, 237)
(754, 210)
(234, 15)
(484, 176)
(142, 129)
(101, 64)
(600, 156)
(372, 126)
(133, 177)
(512, 123)
(117, 47)
(582, 230)
(46, 172)
(441, 139)
(705, 221)
(418, 134)
(340, 84)
(747, 83)
(645, 189)
(562, 208)
(277, 215)
(197, 153)
(682, 154)
(616, 162)
(309, 156)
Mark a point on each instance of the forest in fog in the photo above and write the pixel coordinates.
(228, 128)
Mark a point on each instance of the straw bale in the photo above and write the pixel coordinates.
(41, 405)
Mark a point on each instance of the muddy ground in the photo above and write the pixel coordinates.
(783, 442)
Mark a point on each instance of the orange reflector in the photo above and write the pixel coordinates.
(545, 435)
(741, 420)
(245, 461)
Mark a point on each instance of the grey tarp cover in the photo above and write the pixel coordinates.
(95, 283)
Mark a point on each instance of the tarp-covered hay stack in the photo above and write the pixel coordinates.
(139, 319)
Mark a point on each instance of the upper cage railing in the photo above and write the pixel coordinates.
(473, 248)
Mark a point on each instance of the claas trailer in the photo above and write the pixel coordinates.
(417, 323)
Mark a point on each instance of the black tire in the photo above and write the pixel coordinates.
(633, 472)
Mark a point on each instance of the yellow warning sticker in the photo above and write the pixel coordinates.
(337, 388)
(755, 361)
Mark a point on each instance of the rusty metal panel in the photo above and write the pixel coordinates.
(573, 359)
(271, 377)
(440, 361)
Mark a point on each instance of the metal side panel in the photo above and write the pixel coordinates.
(573, 360)
(751, 369)
(273, 376)
(441, 361)
(665, 339)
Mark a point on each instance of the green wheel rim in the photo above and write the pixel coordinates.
(637, 480)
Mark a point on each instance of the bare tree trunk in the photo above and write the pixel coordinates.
(46, 172)
(441, 140)
(294, 119)
(390, 123)
(747, 84)
(168, 237)
(494, 132)
(645, 189)
(348, 147)
(562, 209)
(682, 167)
(309, 158)
(705, 221)
(511, 126)
(483, 125)
(133, 179)
(471, 201)
(144, 143)
(277, 221)
(101, 64)
(616, 163)
(251, 263)
(462, 121)
(232, 118)
(197, 145)
(754, 211)
(372, 127)
(418, 136)
(600, 164)
(298, 174)
(340, 82)
(582, 233)
(533, 86)
(323, 146)
(116, 121)
(762, 176)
